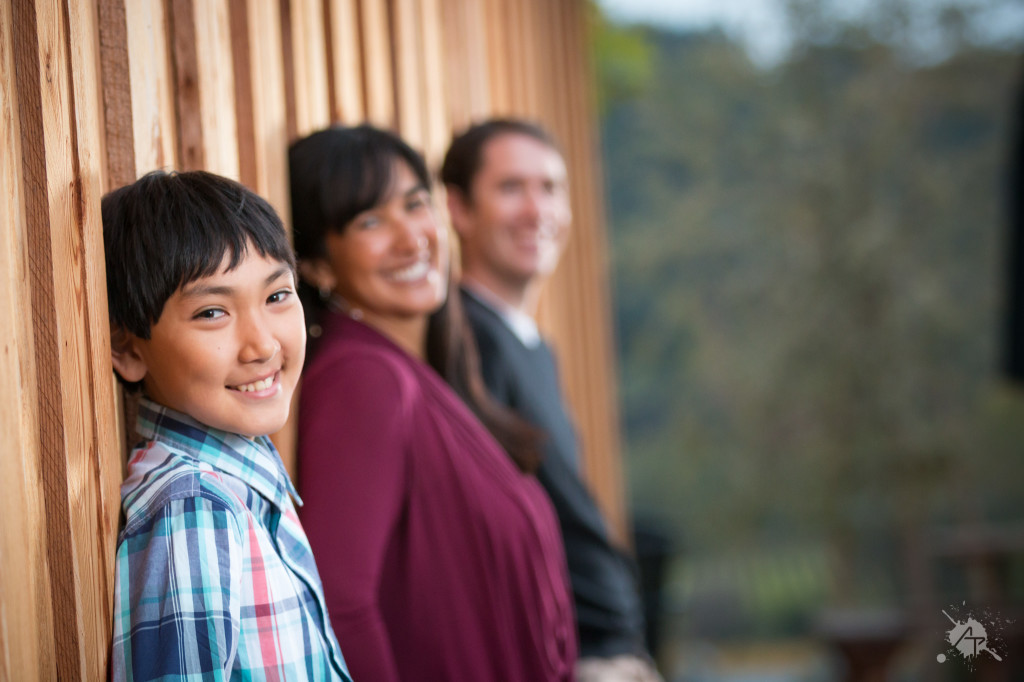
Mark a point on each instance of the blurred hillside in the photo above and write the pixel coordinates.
(808, 267)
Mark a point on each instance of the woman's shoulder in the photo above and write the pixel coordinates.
(359, 363)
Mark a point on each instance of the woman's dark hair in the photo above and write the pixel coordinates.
(338, 173)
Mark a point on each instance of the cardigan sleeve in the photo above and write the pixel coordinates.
(353, 470)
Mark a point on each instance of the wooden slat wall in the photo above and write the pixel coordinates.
(96, 93)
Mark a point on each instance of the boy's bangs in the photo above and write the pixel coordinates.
(169, 229)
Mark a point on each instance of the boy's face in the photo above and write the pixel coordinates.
(227, 350)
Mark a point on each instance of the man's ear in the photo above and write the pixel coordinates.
(318, 272)
(124, 353)
(458, 211)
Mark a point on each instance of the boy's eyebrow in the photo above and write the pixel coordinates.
(197, 290)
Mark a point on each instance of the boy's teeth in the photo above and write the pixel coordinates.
(257, 385)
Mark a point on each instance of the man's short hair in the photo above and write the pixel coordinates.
(167, 229)
(465, 155)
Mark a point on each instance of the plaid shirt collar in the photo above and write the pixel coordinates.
(252, 460)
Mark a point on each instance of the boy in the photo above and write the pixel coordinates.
(214, 578)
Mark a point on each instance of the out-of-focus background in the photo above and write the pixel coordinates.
(808, 219)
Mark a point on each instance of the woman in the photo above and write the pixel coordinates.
(440, 559)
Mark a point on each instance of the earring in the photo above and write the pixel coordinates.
(325, 293)
(339, 305)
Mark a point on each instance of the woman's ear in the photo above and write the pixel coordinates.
(318, 273)
(124, 353)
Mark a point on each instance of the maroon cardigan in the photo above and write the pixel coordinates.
(439, 559)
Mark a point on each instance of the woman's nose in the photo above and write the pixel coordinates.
(415, 235)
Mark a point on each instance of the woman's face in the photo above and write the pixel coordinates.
(391, 262)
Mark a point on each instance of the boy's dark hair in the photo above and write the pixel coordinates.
(338, 173)
(167, 229)
(465, 155)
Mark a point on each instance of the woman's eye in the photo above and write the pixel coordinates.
(279, 296)
(367, 222)
(209, 314)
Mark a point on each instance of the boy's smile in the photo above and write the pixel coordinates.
(227, 349)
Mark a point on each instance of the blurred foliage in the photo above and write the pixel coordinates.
(808, 273)
(623, 59)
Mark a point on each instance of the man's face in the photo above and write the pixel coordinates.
(516, 221)
(228, 348)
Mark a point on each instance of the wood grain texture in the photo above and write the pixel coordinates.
(214, 68)
(115, 85)
(151, 72)
(270, 131)
(37, 61)
(378, 67)
(95, 93)
(241, 64)
(26, 626)
(191, 152)
(407, 49)
(309, 35)
(345, 61)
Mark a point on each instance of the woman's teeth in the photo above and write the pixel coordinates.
(417, 270)
(260, 385)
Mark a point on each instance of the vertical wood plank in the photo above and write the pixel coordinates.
(152, 93)
(378, 69)
(436, 125)
(97, 468)
(345, 56)
(408, 54)
(34, 60)
(312, 108)
(270, 131)
(212, 31)
(191, 153)
(115, 84)
(499, 66)
(245, 123)
(26, 626)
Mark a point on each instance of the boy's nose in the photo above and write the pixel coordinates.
(258, 343)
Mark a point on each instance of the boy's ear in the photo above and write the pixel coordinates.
(124, 353)
(318, 272)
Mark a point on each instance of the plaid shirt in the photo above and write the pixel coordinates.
(214, 577)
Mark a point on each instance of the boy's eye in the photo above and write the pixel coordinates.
(209, 314)
(279, 296)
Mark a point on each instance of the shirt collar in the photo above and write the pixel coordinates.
(254, 461)
(518, 322)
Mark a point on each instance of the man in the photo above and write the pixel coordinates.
(508, 200)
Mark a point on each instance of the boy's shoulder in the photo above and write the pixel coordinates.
(159, 473)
